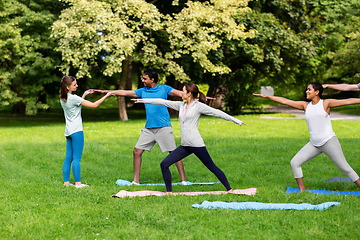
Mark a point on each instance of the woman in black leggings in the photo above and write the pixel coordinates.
(190, 111)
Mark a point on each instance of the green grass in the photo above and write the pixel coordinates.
(35, 205)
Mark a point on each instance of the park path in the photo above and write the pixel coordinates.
(301, 114)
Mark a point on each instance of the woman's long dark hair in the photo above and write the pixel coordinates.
(194, 90)
(65, 82)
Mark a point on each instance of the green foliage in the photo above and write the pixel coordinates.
(35, 205)
(27, 60)
(338, 60)
(276, 56)
(109, 31)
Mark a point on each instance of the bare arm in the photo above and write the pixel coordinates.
(342, 87)
(301, 105)
(176, 93)
(122, 93)
(87, 103)
(331, 103)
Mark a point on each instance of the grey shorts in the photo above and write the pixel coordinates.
(163, 136)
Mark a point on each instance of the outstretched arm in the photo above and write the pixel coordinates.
(301, 105)
(207, 110)
(87, 103)
(122, 93)
(342, 87)
(331, 103)
(158, 101)
(178, 93)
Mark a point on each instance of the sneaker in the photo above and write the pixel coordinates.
(184, 183)
(81, 186)
(70, 184)
(134, 183)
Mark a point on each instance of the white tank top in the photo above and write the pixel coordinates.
(319, 124)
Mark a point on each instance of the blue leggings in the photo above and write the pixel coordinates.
(74, 149)
(182, 152)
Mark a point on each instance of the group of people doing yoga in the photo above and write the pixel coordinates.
(158, 127)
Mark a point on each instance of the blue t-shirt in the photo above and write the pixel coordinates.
(156, 116)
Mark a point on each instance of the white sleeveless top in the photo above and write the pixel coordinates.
(319, 124)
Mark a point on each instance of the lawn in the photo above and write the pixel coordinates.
(35, 204)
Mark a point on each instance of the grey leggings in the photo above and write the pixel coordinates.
(332, 149)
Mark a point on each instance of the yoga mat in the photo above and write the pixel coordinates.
(258, 206)
(338, 179)
(121, 182)
(123, 193)
(326, 192)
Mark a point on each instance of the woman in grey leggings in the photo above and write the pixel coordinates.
(322, 137)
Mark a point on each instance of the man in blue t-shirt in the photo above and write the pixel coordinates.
(158, 126)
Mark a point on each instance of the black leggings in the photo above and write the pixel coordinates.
(182, 152)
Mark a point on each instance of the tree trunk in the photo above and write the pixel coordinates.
(19, 108)
(217, 91)
(219, 94)
(172, 82)
(123, 79)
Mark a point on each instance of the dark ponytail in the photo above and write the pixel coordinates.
(65, 82)
(194, 90)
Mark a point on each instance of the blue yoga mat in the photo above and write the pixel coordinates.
(339, 179)
(121, 182)
(326, 192)
(258, 206)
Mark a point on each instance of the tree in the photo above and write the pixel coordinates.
(338, 59)
(27, 59)
(276, 55)
(115, 32)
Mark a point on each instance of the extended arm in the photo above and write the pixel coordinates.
(157, 101)
(122, 93)
(341, 102)
(301, 105)
(178, 93)
(87, 103)
(342, 87)
(206, 110)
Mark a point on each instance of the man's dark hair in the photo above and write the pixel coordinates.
(152, 73)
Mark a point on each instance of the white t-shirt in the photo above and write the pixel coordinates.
(72, 112)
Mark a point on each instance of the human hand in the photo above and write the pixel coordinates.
(134, 99)
(98, 90)
(325, 85)
(240, 124)
(89, 91)
(109, 94)
(260, 95)
(210, 98)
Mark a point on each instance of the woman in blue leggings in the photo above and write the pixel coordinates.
(71, 105)
(190, 111)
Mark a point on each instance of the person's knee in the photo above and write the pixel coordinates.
(294, 163)
(137, 152)
(164, 165)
